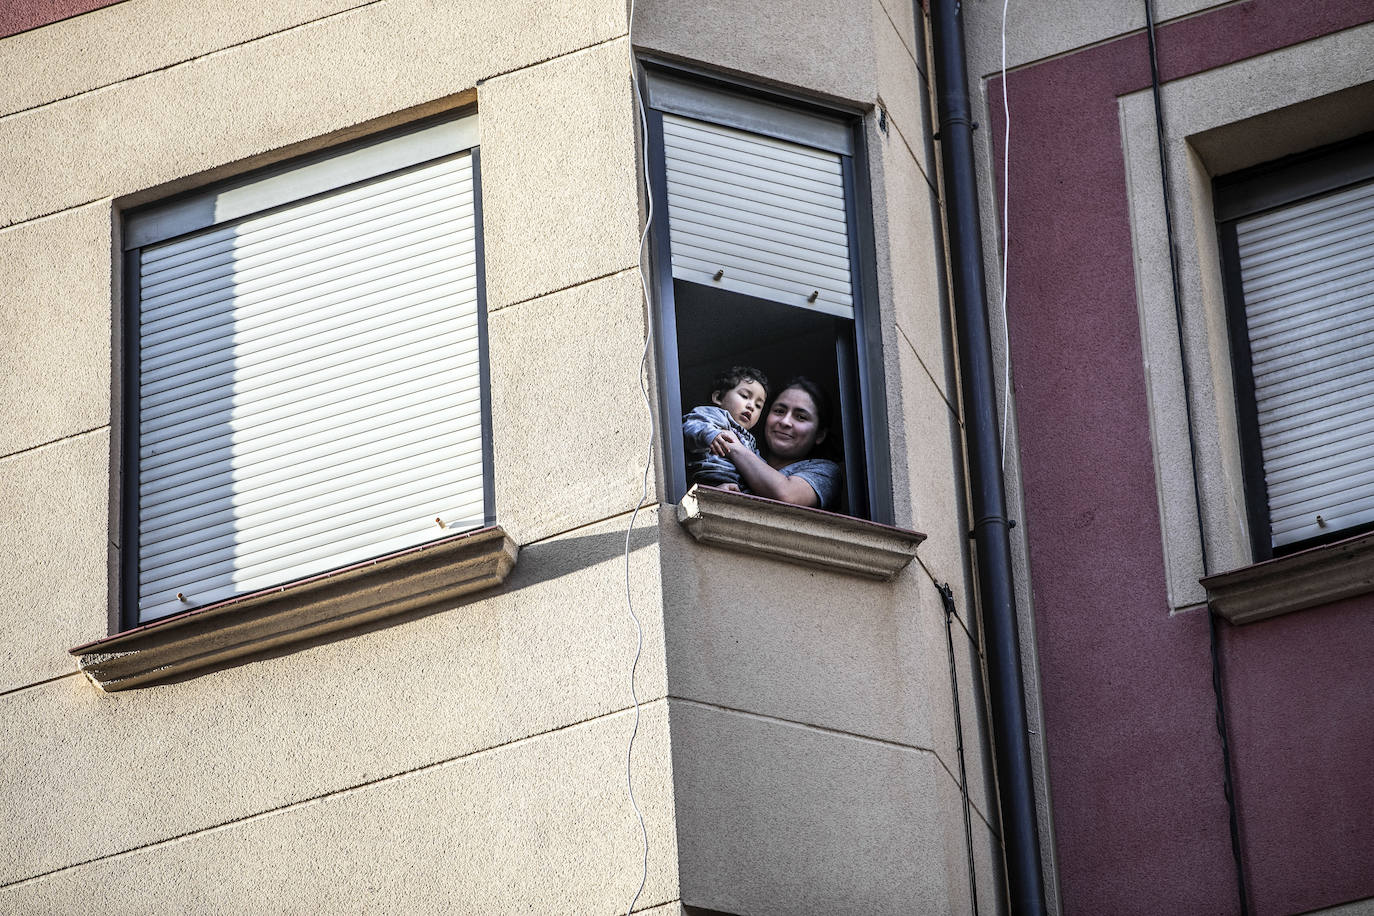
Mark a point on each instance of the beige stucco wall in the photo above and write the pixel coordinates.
(797, 741)
(814, 756)
(469, 758)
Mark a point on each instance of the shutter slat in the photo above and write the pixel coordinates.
(1297, 527)
(253, 440)
(1323, 446)
(768, 212)
(1316, 210)
(1331, 307)
(329, 360)
(201, 362)
(349, 213)
(457, 280)
(380, 538)
(199, 264)
(779, 232)
(1359, 397)
(1336, 347)
(1302, 271)
(281, 470)
(385, 260)
(264, 495)
(414, 359)
(328, 508)
(416, 511)
(733, 145)
(1329, 377)
(310, 388)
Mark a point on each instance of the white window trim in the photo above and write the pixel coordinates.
(1197, 128)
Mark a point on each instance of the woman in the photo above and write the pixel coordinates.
(796, 424)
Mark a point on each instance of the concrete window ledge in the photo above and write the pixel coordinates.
(811, 537)
(274, 618)
(1318, 575)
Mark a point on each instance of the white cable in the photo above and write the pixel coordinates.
(1006, 241)
(648, 458)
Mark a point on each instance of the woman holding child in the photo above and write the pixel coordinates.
(797, 422)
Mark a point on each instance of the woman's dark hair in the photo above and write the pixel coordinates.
(818, 397)
(832, 448)
(736, 374)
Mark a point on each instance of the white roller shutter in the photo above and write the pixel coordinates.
(309, 388)
(757, 215)
(1307, 273)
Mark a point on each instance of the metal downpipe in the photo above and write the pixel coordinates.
(1006, 690)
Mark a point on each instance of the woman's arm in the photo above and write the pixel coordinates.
(762, 479)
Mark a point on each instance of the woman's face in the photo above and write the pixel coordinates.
(791, 429)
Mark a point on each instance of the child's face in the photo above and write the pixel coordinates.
(744, 402)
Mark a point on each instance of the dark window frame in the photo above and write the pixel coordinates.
(1237, 196)
(859, 365)
(126, 617)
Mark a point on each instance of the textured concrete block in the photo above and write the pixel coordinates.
(1032, 36)
(902, 87)
(126, 40)
(551, 647)
(542, 825)
(902, 15)
(559, 181)
(242, 107)
(821, 47)
(570, 427)
(55, 308)
(972, 705)
(776, 818)
(781, 640)
(933, 461)
(906, 216)
(53, 553)
(984, 872)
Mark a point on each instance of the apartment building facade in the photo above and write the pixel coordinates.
(324, 436)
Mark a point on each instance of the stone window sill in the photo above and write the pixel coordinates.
(1319, 575)
(810, 537)
(436, 572)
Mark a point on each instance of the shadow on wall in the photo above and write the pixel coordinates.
(538, 563)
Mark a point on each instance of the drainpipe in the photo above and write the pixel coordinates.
(1016, 793)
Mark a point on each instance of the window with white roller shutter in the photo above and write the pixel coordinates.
(305, 370)
(759, 243)
(1298, 238)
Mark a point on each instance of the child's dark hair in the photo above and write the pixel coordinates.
(736, 374)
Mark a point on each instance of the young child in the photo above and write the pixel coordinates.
(738, 395)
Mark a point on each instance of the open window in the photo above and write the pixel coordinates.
(762, 258)
(1297, 243)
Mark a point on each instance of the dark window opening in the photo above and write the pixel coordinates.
(717, 329)
(762, 257)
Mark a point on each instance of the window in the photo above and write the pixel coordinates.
(763, 259)
(1297, 243)
(305, 370)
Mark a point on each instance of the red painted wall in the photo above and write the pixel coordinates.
(1134, 759)
(21, 15)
